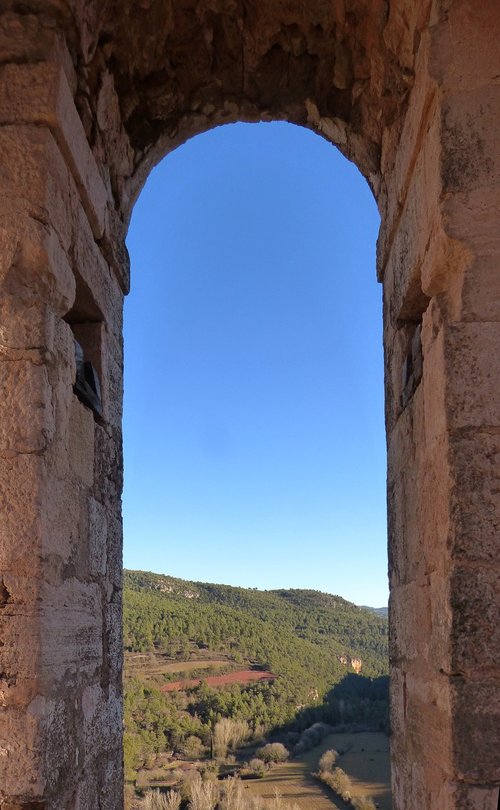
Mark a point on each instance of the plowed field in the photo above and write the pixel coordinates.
(242, 676)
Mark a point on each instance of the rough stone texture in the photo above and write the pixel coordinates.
(92, 95)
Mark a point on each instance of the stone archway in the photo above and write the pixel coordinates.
(91, 96)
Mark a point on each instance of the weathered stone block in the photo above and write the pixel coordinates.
(26, 37)
(114, 636)
(472, 217)
(418, 486)
(475, 508)
(35, 179)
(33, 267)
(420, 626)
(472, 373)
(434, 385)
(402, 248)
(422, 759)
(26, 327)
(20, 654)
(71, 630)
(112, 787)
(40, 94)
(96, 277)
(21, 478)
(474, 797)
(465, 45)
(474, 597)
(102, 721)
(108, 464)
(26, 412)
(114, 567)
(113, 380)
(60, 743)
(63, 524)
(21, 755)
(400, 150)
(81, 442)
(471, 148)
(98, 533)
(476, 720)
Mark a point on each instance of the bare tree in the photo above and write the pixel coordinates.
(229, 733)
(154, 800)
(171, 800)
(233, 797)
(204, 795)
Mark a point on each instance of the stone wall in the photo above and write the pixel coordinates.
(60, 466)
(91, 96)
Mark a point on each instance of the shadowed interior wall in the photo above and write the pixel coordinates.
(92, 95)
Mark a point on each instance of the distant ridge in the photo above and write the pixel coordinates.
(381, 611)
(236, 595)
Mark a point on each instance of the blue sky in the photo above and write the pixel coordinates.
(253, 431)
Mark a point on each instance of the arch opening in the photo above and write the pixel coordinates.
(254, 403)
(224, 212)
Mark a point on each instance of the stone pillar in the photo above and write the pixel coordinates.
(60, 464)
(466, 62)
(438, 256)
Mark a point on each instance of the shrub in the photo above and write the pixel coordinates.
(328, 760)
(311, 737)
(340, 782)
(273, 752)
(192, 747)
(257, 767)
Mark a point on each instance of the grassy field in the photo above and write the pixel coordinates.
(366, 761)
(147, 665)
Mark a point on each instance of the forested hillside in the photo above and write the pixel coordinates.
(166, 614)
(309, 641)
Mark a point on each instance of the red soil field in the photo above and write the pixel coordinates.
(243, 676)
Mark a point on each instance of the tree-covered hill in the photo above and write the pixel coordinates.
(306, 630)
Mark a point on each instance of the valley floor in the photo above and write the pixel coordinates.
(366, 762)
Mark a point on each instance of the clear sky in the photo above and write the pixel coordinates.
(253, 432)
